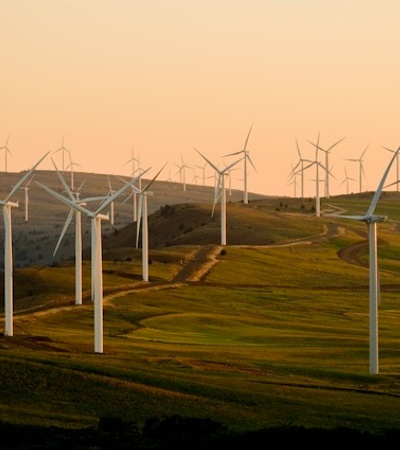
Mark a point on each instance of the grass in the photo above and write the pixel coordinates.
(274, 335)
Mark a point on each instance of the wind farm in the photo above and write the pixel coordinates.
(244, 296)
(283, 298)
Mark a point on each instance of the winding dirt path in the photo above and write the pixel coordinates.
(193, 269)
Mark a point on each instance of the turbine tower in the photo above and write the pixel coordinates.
(26, 196)
(371, 220)
(142, 223)
(96, 217)
(7, 205)
(246, 158)
(220, 192)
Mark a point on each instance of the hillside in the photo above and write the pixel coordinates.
(34, 240)
(253, 336)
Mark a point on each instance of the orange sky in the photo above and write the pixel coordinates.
(167, 76)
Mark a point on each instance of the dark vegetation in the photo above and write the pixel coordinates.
(181, 433)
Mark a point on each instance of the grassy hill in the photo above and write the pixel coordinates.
(34, 240)
(268, 332)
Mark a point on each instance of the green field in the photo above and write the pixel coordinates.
(271, 336)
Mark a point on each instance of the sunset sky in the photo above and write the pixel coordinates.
(165, 76)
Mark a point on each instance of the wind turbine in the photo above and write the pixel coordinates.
(327, 171)
(111, 192)
(6, 152)
(203, 172)
(8, 253)
(361, 167)
(246, 158)
(142, 223)
(63, 151)
(318, 165)
(75, 197)
(182, 172)
(301, 170)
(397, 165)
(71, 166)
(346, 180)
(220, 192)
(133, 161)
(371, 220)
(26, 189)
(96, 217)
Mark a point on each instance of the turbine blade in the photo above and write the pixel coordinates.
(65, 200)
(63, 182)
(25, 177)
(362, 154)
(111, 198)
(247, 138)
(298, 148)
(66, 225)
(209, 162)
(153, 179)
(251, 162)
(351, 217)
(139, 218)
(375, 199)
(335, 144)
(230, 165)
(235, 153)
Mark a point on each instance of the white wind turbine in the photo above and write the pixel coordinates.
(347, 180)
(397, 165)
(361, 167)
(63, 151)
(6, 153)
(220, 192)
(75, 197)
(203, 173)
(182, 172)
(133, 160)
(71, 166)
(246, 158)
(112, 207)
(26, 196)
(371, 220)
(8, 253)
(318, 165)
(301, 170)
(142, 224)
(96, 218)
(327, 167)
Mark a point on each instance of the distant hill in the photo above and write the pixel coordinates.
(34, 240)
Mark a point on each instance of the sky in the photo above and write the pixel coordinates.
(156, 79)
